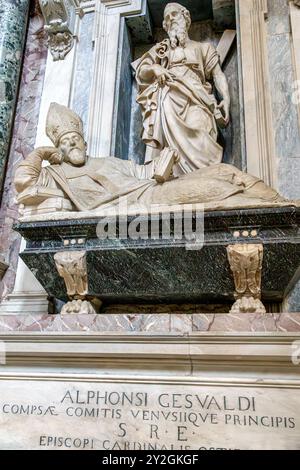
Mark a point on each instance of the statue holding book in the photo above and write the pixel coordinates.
(175, 91)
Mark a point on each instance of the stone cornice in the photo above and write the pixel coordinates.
(155, 352)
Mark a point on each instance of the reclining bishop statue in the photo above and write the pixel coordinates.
(180, 119)
(74, 182)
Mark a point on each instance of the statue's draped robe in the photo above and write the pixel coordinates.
(104, 182)
(180, 114)
(100, 182)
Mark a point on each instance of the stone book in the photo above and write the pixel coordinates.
(164, 165)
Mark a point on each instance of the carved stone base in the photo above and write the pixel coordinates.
(78, 307)
(248, 305)
(245, 261)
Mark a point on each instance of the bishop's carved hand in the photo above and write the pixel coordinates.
(50, 154)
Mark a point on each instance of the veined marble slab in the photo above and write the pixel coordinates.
(179, 320)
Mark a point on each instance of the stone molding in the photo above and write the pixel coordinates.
(188, 353)
(25, 301)
(260, 143)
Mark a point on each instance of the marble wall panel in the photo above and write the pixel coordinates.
(285, 113)
(23, 140)
(83, 68)
(176, 323)
(123, 95)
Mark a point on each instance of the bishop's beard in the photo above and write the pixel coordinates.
(76, 157)
(178, 35)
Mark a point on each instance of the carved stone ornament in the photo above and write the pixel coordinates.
(71, 266)
(297, 2)
(246, 265)
(59, 18)
(78, 307)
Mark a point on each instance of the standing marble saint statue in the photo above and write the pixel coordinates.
(175, 93)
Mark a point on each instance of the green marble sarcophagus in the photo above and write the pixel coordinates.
(245, 253)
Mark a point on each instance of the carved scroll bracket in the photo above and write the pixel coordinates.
(246, 265)
(72, 267)
(59, 18)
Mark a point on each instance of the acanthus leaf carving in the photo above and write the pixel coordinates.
(246, 265)
(72, 267)
(59, 18)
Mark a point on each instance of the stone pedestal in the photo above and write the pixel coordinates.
(151, 382)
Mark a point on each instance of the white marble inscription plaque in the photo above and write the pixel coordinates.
(48, 414)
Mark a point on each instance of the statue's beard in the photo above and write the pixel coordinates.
(178, 35)
(76, 157)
